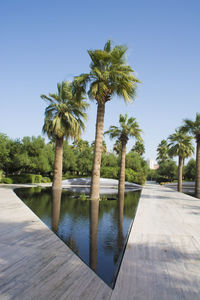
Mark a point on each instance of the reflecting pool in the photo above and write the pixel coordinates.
(96, 231)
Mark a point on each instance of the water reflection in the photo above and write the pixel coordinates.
(55, 209)
(120, 236)
(94, 230)
(94, 215)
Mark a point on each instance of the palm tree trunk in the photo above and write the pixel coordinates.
(180, 173)
(121, 185)
(197, 182)
(57, 176)
(95, 182)
(94, 214)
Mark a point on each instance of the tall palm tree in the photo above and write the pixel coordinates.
(163, 151)
(63, 119)
(109, 75)
(193, 127)
(181, 146)
(138, 148)
(128, 128)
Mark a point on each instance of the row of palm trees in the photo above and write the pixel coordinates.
(64, 117)
(180, 144)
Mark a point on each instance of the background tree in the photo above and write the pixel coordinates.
(4, 151)
(136, 168)
(128, 128)
(163, 151)
(139, 148)
(63, 119)
(109, 75)
(190, 170)
(193, 127)
(167, 171)
(80, 145)
(181, 146)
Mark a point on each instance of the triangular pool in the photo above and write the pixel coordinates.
(97, 231)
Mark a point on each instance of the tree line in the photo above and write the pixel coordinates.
(32, 155)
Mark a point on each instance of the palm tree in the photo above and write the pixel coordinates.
(109, 75)
(138, 148)
(63, 119)
(128, 128)
(162, 150)
(181, 146)
(193, 127)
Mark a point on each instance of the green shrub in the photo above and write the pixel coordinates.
(46, 180)
(23, 178)
(135, 177)
(38, 179)
(83, 197)
(6, 180)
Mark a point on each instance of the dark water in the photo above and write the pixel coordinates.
(96, 231)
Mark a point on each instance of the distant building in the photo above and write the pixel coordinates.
(153, 165)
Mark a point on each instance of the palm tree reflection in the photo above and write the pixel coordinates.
(120, 236)
(94, 214)
(55, 208)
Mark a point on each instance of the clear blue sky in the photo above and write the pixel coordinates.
(45, 42)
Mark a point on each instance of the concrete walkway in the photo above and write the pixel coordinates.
(161, 261)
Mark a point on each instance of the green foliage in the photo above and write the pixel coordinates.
(192, 127)
(128, 128)
(139, 148)
(109, 160)
(83, 197)
(84, 162)
(152, 175)
(135, 162)
(38, 179)
(163, 151)
(110, 172)
(190, 170)
(4, 151)
(167, 171)
(65, 113)
(1, 175)
(136, 177)
(180, 144)
(109, 75)
(46, 180)
(24, 178)
(7, 180)
(31, 156)
(69, 158)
